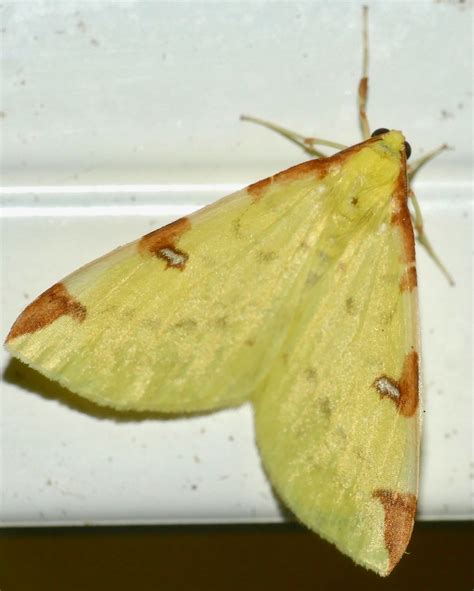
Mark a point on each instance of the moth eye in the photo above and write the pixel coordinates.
(407, 150)
(379, 131)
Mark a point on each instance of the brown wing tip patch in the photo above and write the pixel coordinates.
(403, 392)
(400, 510)
(48, 307)
(162, 243)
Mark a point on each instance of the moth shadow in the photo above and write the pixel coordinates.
(26, 378)
(284, 511)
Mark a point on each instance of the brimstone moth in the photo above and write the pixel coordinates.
(283, 316)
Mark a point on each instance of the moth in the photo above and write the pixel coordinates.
(298, 293)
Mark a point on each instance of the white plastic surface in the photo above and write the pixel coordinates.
(119, 117)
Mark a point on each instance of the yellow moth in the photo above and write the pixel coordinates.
(298, 293)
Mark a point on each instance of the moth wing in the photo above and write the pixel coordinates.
(300, 290)
(337, 416)
(190, 316)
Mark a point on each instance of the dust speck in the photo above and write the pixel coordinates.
(445, 114)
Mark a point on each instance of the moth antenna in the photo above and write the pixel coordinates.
(423, 238)
(415, 166)
(306, 143)
(363, 91)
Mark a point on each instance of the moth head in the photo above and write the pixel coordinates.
(382, 130)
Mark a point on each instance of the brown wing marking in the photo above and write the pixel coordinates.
(256, 190)
(162, 243)
(400, 509)
(401, 214)
(408, 280)
(403, 392)
(48, 307)
(319, 166)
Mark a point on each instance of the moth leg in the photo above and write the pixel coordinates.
(363, 90)
(415, 166)
(306, 143)
(422, 238)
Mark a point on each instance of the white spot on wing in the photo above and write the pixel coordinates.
(387, 387)
(174, 258)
